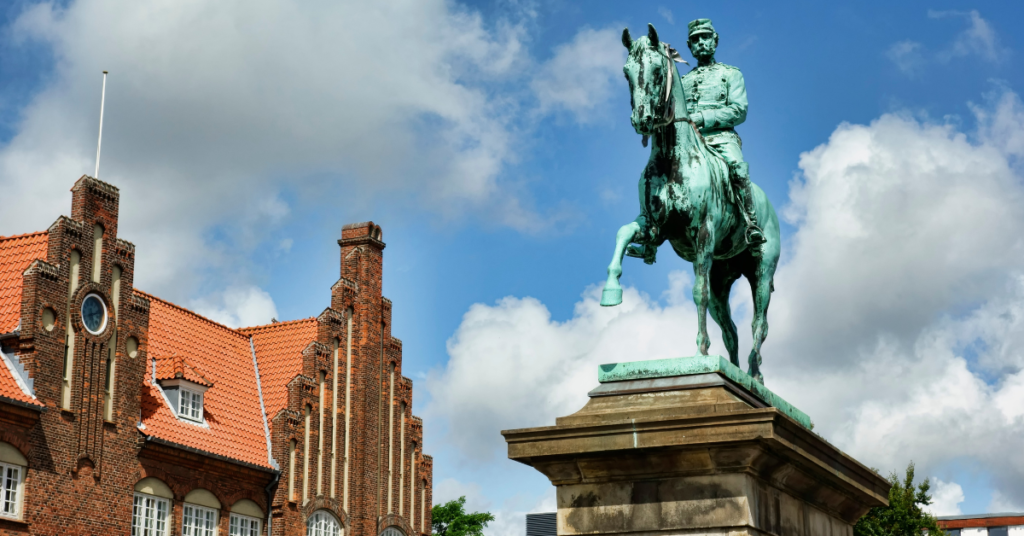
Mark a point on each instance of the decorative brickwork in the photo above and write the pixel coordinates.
(90, 401)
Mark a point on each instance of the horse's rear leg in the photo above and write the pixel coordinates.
(761, 288)
(723, 275)
(612, 294)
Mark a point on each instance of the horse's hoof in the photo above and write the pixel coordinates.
(611, 297)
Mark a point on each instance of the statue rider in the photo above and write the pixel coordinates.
(716, 100)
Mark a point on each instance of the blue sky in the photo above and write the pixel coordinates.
(491, 140)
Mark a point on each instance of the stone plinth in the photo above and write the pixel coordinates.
(690, 446)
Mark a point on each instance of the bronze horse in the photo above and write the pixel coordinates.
(685, 198)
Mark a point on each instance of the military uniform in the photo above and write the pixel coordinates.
(716, 98)
(716, 93)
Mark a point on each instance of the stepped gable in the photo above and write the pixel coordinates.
(279, 353)
(16, 253)
(231, 408)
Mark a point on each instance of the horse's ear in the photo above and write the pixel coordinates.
(652, 34)
(627, 41)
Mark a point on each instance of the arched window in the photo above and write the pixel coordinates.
(392, 531)
(323, 523)
(246, 517)
(12, 481)
(199, 513)
(150, 508)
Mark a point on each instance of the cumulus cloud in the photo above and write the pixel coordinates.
(238, 307)
(512, 366)
(897, 319)
(946, 498)
(215, 111)
(579, 77)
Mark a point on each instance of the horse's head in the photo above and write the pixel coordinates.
(649, 70)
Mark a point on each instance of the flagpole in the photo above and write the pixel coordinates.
(99, 142)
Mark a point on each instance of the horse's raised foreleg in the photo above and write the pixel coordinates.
(612, 294)
(702, 282)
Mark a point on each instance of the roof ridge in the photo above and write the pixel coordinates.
(191, 312)
(23, 235)
(274, 325)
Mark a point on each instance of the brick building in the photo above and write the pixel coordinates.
(1004, 524)
(122, 413)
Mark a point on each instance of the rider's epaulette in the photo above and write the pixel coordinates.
(727, 66)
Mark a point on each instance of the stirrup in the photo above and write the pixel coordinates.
(635, 251)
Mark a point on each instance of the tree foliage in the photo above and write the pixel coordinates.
(905, 515)
(451, 519)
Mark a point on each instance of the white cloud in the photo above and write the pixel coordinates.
(579, 78)
(666, 14)
(979, 38)
(238, 307)
(946, 498)
(897, 321)
(214, 108)
(511, 366)
(907, 56)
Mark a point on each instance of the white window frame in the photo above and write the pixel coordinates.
(192, 410)
(198, 520)
(243, 525)
(322, 523)
(139, 526)
(11, 509)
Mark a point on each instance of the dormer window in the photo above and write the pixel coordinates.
(190, 405)
(184, 385)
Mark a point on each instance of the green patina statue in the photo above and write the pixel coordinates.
(696, 192)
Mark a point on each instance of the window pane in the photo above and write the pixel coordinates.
(161, 518)
(137, 516)
(149, 515)
(9, 485)
(211, 522)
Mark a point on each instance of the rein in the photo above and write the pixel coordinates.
(668, 116)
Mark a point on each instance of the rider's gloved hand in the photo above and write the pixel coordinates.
(698, 119)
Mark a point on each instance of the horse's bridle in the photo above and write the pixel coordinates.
(668, 116)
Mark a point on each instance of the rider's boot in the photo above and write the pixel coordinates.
(741, 179)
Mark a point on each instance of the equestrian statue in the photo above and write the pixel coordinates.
(696, 191)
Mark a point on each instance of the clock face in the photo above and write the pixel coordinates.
(94, 314)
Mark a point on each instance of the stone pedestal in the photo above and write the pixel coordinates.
(691, 446)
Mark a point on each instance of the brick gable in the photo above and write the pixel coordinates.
(339, 396)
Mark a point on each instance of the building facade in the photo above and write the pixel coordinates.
(1005, 524)
(122, 413)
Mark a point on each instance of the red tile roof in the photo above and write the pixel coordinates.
(176, 366)
(9, 388)
(231, 407)
(279, 353)
(16, 253)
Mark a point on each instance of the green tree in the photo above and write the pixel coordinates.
(451, 519)
(905, 515)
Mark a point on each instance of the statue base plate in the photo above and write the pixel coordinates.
(686, 446)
